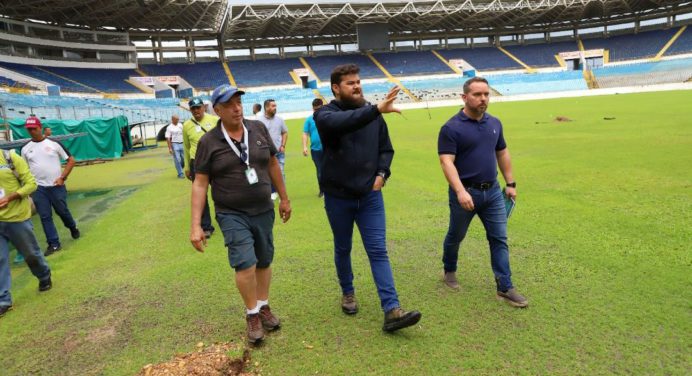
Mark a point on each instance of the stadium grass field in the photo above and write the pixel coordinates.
(598, 242)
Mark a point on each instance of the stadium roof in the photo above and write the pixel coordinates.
(244, 21)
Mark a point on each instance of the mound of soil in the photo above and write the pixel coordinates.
(209, 361)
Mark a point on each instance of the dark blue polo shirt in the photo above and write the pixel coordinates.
(474, 144)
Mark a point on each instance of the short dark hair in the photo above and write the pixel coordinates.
(267, 101)
(317, 102)
(467, 84)
(342, 70)
(256, 107)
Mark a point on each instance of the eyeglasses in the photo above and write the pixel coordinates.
(243, 152)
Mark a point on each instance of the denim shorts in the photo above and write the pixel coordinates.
(249, 239)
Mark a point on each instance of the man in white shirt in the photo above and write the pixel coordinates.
(278, 133)
(174, 136)
(44, 156)
(255, 109)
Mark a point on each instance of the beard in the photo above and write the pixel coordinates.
(352, 101)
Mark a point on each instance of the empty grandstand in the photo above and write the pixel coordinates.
(86, 58)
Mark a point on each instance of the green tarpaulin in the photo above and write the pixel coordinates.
(103, 140)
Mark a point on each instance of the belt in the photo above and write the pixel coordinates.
(482, 186)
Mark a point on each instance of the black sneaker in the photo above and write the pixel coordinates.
(74, 231)
(51, 249)
(4, 309)
(397, 319)
(45, 285)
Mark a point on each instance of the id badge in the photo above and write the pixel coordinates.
(199, 128)
(251, 175)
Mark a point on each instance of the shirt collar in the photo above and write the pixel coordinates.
(219, 133)
(464, 117)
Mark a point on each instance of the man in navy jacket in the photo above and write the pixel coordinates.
(357, 157)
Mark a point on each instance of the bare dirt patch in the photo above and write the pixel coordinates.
(208, 361)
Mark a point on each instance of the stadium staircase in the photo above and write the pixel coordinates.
(70, 80)
(528, 68)
(227, 69)
(670, 43)
(452, 67)
(392, 78)
(590, 79)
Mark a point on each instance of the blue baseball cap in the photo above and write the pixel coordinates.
(195, 102)
(224, 93)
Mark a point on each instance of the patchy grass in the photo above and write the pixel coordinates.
(598, 244)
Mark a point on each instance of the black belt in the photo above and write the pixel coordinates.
(482, 186)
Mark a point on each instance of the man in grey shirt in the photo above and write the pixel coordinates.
(278, 133)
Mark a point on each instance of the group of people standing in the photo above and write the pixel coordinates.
(36, 178)
(241, 158)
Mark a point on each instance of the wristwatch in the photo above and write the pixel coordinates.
(382, 174)
(512, 184)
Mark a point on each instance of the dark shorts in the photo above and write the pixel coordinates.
(249, 239)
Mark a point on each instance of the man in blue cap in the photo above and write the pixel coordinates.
(193, 129)
(238, 159)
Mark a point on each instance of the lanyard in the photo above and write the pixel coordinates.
(235, 149)
(199, 125)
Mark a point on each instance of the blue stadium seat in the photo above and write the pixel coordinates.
(682, 45)
(41, 74)
(105, 80)
(632, 46)
(323, 65)
(202, 76)
(263, 72)
(483, 58)
(410, 63)
(541, 55)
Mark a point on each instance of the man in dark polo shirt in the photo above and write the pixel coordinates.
(238, 159)
(470, 146)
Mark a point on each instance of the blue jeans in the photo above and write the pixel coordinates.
(317, 160)
(46, 199)
(178, 157)
(490, 207)
(206, 213)
(21, 234)
(368, 213)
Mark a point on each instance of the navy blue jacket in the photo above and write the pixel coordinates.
(356, 145)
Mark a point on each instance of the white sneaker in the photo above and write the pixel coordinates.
(274, 196)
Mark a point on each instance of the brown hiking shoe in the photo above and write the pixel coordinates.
(397, 319)
(349, 304)
(450, 279)
(514, 298)
(255, 332)
(269, 321)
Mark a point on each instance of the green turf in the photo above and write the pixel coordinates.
(598, 243)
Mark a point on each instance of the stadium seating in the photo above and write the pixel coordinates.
(203, 76)
(682, 45)
(483, 58)
(4, 81)
(41, 74)
(505, 84)
(651, 73)
(632, 46)
(541, 55)
(105, 80)
(47, 107)
(323, 65)
(411, 63)
(264, 72)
